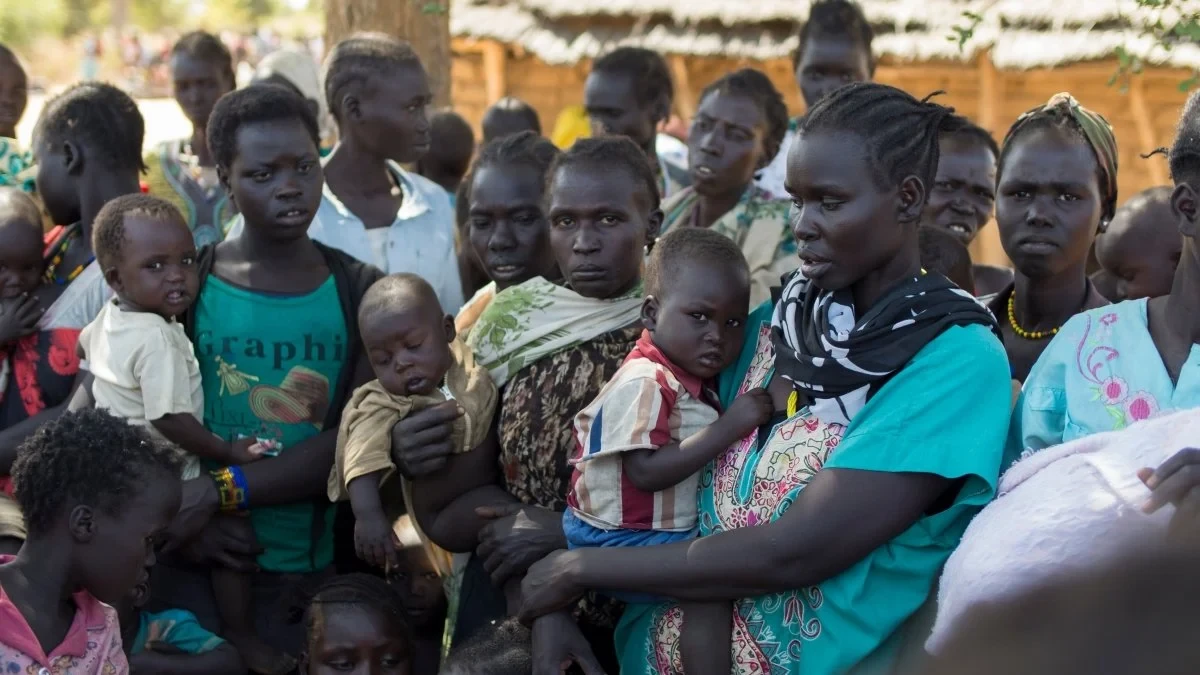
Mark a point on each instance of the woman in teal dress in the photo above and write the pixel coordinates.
(1115, 366)
(827, 528)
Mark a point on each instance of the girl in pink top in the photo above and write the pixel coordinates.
(96, 493)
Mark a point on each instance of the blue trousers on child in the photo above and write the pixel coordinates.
(581, 534)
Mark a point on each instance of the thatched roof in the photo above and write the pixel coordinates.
(1020, 33)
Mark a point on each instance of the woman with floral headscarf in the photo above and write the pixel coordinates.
(1056, 189)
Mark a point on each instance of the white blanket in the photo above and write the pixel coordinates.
(1059, 511)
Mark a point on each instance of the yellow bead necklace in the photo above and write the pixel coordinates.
(1021, 332)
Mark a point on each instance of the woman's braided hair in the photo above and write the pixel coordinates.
(901, 132)
(357, 589)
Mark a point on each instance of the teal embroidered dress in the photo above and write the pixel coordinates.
(1101, 372)
(945, 413)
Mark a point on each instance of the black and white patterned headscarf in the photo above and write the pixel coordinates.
(834, 359)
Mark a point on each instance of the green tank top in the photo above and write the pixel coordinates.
(270, 365)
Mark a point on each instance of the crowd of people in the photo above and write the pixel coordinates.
(287, 396)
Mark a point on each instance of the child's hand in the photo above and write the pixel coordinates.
(375, 542)
(750, 411)
(19, 318)
(246, 450)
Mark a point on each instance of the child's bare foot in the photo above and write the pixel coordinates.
(261, 657)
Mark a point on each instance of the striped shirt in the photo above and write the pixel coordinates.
(650, 402)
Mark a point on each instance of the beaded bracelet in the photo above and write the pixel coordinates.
(232, 491)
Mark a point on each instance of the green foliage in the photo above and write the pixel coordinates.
(1184, 30)
(21, 21)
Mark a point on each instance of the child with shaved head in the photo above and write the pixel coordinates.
(418, 362)
(1141, 247)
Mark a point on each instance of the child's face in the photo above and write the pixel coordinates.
(354, 638)
(700, 319)
(507, 227)
(197, 84)
(963, 191)
(421, 588)
(725, 145)
(275, 179)
(391, 117)
(14, 95)
(1141, 249)
(21, 261)
(599, 222)
(614, 110)
(828, 63)
(409, 346)
(1048, 202)
(157, 268)
(120, 546)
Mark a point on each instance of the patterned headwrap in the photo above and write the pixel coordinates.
(1096, 130)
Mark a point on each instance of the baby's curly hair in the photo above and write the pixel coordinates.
(691, 246)
(88, 457)
(108, 230)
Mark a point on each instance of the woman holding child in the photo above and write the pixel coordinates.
(737, 130)
(825, 529)
(275, 330)
(550, 348)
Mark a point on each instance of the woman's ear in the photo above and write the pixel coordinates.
(654, 225)
(650, 313)
(1184, 204)
(72, 158)
(910, 200)
(351, 107)
(81, 524)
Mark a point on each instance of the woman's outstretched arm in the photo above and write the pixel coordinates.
(835, 522)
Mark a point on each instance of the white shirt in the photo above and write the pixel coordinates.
(420, 241)
(145, 369)
(773, 177)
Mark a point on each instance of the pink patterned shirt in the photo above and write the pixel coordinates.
(92, 645)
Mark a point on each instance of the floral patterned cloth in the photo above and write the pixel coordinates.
(173, 173)
(1101, 372)
(534, 319)
(92, 645)
(944, 414)
(758, 225)
(16, 166)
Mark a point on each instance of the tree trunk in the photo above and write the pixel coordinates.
(423, 23)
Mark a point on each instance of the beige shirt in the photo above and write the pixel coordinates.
(144, 369)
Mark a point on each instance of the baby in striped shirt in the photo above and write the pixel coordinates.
(642, 443)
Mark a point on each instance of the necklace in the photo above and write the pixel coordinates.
(60, 251)
(1021, 332)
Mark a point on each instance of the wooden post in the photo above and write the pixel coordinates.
(495, 70)
(1145, 128)
(423, 23)
(685, 96)
(987, 249)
